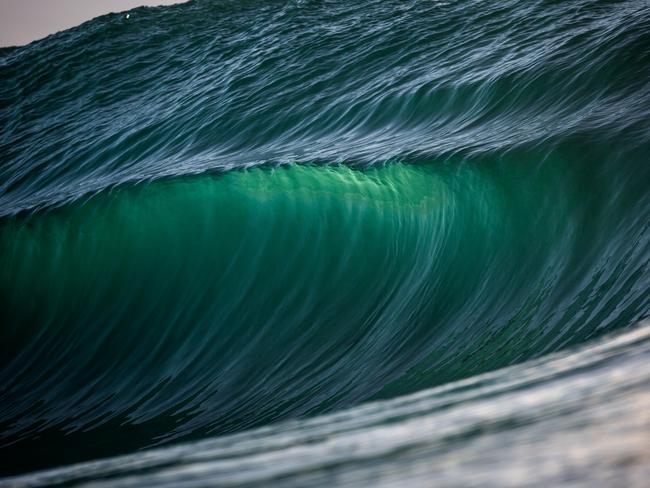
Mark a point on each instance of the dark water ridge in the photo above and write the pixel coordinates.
(209, 84)
(218, 216)
(576, 418)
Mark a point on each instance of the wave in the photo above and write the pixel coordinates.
(216, 303)
(217, 216)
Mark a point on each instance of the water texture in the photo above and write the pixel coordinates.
(307, 235)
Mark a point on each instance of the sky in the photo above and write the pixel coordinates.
(23, 21)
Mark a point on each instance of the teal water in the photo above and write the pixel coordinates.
(221, 216)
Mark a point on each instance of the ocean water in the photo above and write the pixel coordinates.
(322, 242)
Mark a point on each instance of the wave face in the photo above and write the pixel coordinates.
(219, 215)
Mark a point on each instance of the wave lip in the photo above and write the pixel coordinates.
(202, 86)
